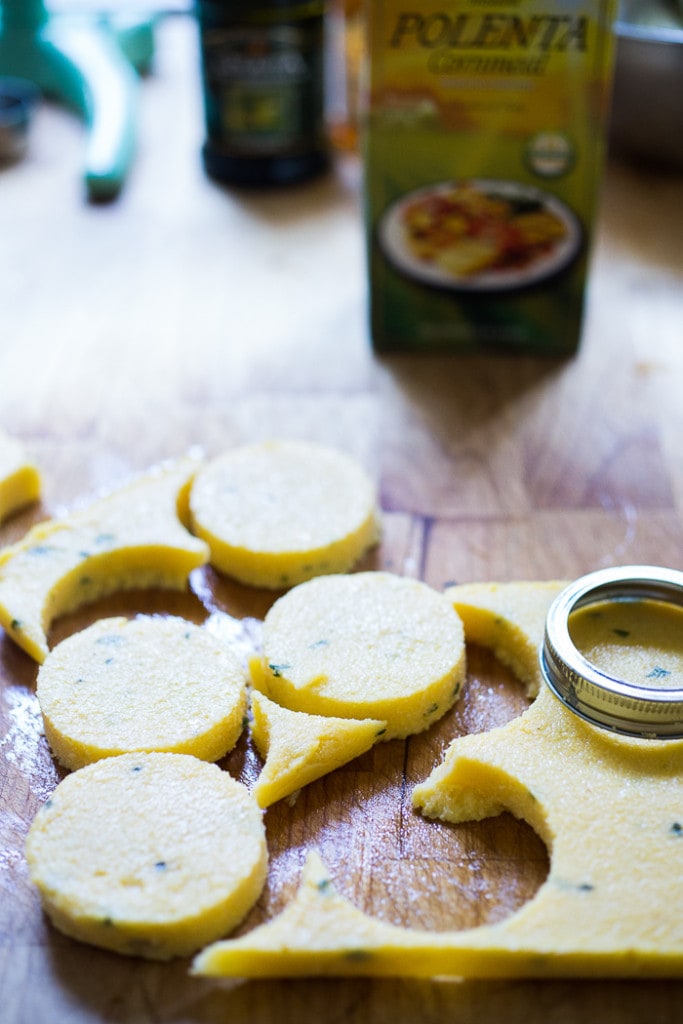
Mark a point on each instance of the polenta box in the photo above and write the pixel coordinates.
(483, 142)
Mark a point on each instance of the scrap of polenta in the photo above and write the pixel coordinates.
(299, 748)
(147, 683)
(20, 482)
(149, 855)
(509, 619)
(276, 513)
(363, 645)
(131, 538)
(609, 808)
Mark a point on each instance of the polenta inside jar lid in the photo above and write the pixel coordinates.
(613, 650)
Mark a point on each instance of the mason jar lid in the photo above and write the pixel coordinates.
(614, 704)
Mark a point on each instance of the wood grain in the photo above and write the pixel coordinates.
(190, 315)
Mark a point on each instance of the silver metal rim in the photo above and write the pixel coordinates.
(592, 694)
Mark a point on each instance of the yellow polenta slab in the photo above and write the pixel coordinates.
(148, 854)
(299, 748)
(131, 538)
(20, 482)
(280, 512)
(148, 683)
(364, 645)
(610, 810)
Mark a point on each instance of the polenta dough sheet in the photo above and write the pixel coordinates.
(131, 538)
(610, 810)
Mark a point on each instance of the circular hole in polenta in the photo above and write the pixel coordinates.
(453, 877)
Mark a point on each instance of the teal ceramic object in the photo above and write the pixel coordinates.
(17, 100)
(90, 63)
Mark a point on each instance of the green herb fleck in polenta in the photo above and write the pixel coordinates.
(658, 673)
(570, 886)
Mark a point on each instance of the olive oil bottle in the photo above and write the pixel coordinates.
(263, 82)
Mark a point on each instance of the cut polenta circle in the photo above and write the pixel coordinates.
(364, 645)
(150, 855)
(609, 808)
(148, 683)
(508, 618)
(131, 538)
(20, 481)
(299, 748)
(277, 513)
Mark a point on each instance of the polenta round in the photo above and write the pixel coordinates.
(148, 683)
(150, 855)
(277, 513)
(365, 645)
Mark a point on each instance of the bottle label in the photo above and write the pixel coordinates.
(263, 88)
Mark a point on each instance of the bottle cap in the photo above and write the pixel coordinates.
(614, 704)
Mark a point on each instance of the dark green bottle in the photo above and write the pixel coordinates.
(262, 76)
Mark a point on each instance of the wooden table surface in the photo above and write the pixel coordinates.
(189, 315)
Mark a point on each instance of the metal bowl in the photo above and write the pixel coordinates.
(647, 103)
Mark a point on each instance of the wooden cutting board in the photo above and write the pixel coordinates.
(188, 315)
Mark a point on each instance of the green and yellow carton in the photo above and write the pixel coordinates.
(483, 143)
